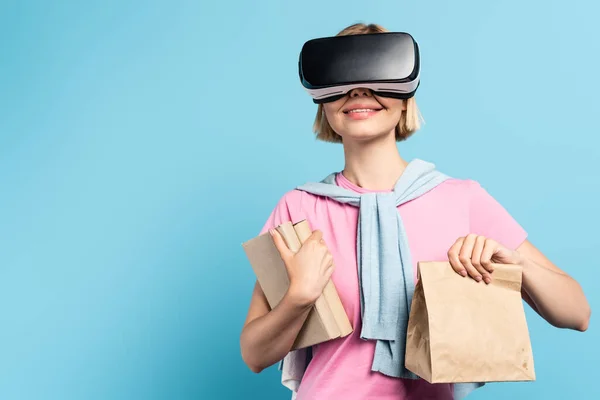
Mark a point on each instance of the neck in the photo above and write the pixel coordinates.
(373, 165)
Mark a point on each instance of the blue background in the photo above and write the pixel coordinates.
(142, 142)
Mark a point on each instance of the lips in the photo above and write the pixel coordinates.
(361, 111)
(361, 115)
(361, 108)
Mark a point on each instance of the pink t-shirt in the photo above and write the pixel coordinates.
(341, 368)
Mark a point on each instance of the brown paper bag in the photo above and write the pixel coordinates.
(460, 330)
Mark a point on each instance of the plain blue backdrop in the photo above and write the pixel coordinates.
(142, 142)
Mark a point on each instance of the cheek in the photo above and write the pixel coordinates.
(331, 114)
(327, 111)
(396, 106)
(332, 108)
(396, 113)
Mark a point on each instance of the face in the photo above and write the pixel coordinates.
(360, 115)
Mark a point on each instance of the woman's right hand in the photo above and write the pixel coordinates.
(309, 269)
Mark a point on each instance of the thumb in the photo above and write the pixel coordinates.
(503, 255)
(282, 247)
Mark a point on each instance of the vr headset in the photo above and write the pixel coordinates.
(387, 63)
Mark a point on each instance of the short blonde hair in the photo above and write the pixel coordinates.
(410, 120)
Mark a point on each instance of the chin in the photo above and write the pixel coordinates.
(363, 136)
(366, 133)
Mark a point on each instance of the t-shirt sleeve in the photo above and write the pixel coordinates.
(490, 219)
(287, 209)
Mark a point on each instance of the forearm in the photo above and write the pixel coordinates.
(267, 339)
(557, 297)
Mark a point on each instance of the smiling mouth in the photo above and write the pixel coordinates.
(362, 110)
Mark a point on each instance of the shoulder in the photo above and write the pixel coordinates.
(465, 194)
(459, 188)
(292, 199)
(288, 208)
(486, 215)
(468, 191)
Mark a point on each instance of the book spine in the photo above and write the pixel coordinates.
(321, 306)
(340, 318)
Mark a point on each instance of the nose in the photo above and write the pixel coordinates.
(358, 92)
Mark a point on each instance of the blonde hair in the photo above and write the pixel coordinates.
(410, 120)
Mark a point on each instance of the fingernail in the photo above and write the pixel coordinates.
(478, 278)
(463, 273)
(487, 280)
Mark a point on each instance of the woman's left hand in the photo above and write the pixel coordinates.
(473, 255)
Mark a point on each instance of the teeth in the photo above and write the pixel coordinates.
(361, 110)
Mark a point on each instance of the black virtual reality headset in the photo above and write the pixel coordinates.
(386, 63)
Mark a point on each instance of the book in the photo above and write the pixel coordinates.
(327, 319)
(330, 293)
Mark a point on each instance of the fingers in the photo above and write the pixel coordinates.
(476, 259)
(477, 249)
(329, 272)
(327, 266)
(465, 254)
(317, 241)
(486, 255)
(465, 257)
(284, 250)
(472, 256)
(327, 263)
(315, 236)
(453, 257)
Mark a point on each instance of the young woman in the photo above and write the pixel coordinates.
(456, 221)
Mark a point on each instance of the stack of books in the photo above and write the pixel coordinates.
(327, 319)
